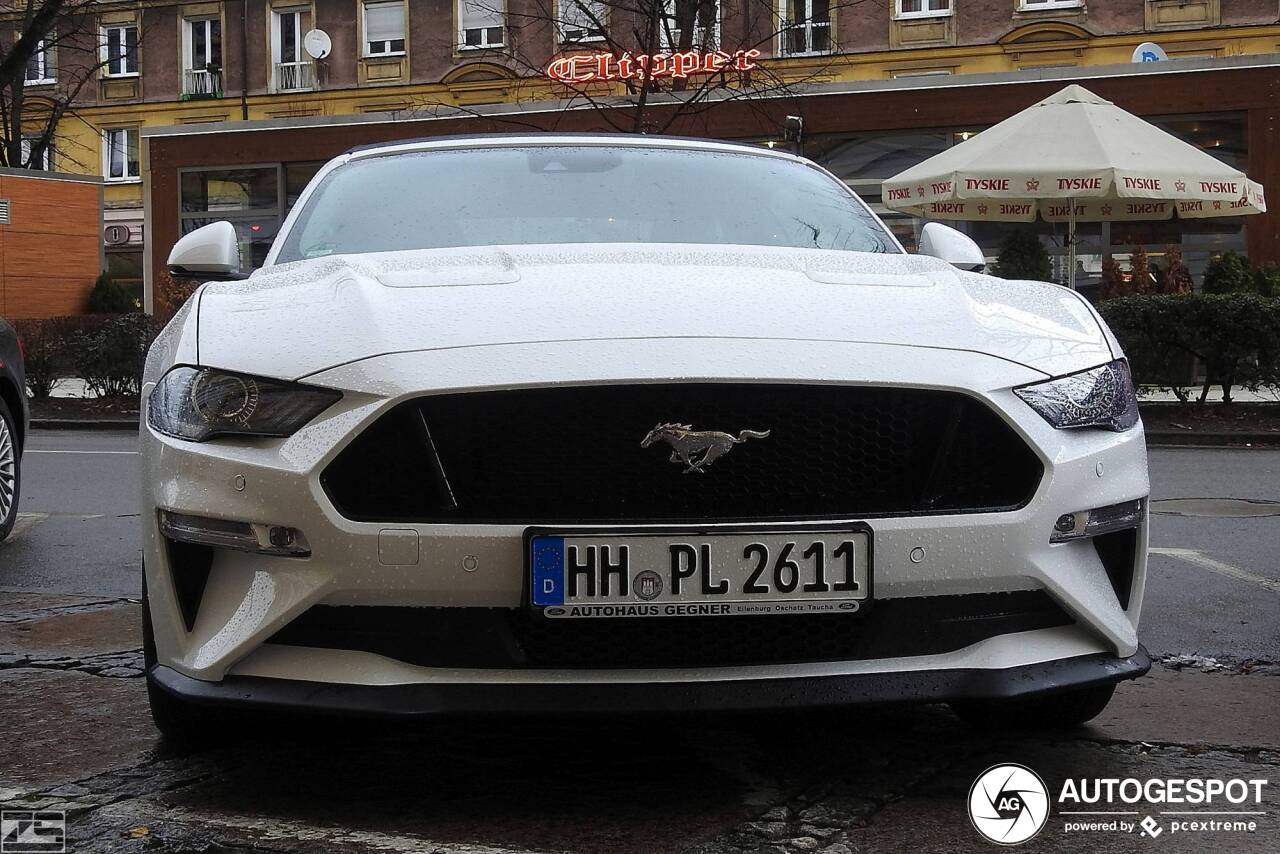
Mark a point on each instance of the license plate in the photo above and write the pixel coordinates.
(686, 574)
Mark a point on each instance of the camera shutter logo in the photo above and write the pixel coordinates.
(1009, 804)
(32, 831)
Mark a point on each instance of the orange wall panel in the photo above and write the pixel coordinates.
(51, 249)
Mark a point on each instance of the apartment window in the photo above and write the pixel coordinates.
(120, 50)
(582, 20)
(703, 15)
(202, 57)
(40, 65)
(120, 154)
(482, 23)
(292, 70)
(384, 28)
(923, 8)
(1032, 5)
(806, 26)
(43, 161)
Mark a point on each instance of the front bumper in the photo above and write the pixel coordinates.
(425, 700)
(248, 598)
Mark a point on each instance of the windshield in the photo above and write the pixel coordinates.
(556, 194)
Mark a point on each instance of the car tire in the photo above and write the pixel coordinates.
(10, 471)
(178, 720)
(1054, 711)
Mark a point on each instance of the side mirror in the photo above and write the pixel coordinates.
(210, 253)
(954, 247)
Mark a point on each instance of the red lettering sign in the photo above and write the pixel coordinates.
(1150, 184)
(903, 194)
(1226, 188)
(1023, 209)
(987, 185)
(591, 67)
(1079, 183)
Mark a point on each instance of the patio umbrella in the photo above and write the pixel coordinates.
(1073, 157)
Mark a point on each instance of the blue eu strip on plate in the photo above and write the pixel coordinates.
(548, 571)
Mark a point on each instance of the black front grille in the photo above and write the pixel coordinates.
(573, 454)
(506, 638)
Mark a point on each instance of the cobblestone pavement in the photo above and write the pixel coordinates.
(75, 734)
(77, 739)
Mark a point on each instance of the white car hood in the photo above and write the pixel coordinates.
(296, 319)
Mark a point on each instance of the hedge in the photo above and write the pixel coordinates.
(105, 351)
(1235, 338)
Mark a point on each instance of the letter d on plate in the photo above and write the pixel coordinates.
(548, 571)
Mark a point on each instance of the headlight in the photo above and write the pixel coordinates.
(200, 403)
(1099, 397)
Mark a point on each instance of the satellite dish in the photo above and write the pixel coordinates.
(317, 44)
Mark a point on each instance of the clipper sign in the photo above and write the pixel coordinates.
(591, 67)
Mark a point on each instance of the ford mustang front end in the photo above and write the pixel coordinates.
(703, 437)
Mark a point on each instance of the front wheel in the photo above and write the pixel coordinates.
(1053, 711)
(10, 471)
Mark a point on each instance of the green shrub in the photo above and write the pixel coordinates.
(1023, 256)
(44, 342)
(1266, 280)
(1228, 273)
(108, 352)
(1235, 337)
(110, 297)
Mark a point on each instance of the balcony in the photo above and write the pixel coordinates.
(201, 83)
(295, 76)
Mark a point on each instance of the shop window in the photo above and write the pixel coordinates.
(120, 155)
(40, 65)
(254, 199)
(703, 14)
(806, 27)
(202, 57)
(120, 50)
(481, 24)
(384, 28)
(922, 8)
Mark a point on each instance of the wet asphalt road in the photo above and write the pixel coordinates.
(74, 734)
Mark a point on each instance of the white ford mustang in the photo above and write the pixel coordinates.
(610, 423)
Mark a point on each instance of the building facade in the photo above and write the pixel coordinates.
(160, 63)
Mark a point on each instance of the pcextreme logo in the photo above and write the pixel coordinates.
(1010, 804)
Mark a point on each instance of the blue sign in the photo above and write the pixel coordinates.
(1149, 52)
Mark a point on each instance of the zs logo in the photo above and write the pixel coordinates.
(32, 832)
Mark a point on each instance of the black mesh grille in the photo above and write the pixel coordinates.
(503, 638)
(573, 454)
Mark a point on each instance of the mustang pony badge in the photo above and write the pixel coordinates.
(688, 443)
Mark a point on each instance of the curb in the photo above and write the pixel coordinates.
(1217, 439)
(84, 423)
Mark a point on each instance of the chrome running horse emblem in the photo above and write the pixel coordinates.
(688, 443)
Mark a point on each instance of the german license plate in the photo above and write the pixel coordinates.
(685, 574)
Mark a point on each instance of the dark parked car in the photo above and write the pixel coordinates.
(13, 425)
